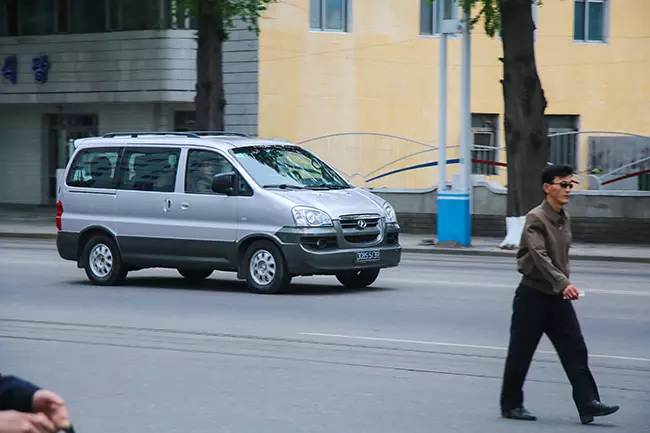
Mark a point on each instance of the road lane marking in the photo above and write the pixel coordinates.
(466, 346)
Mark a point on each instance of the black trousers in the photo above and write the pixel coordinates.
(534, 313)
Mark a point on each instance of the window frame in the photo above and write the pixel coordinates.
(605, 29)
(188, 171)
(486, 123)
(126, 150)
(347, 18)
(99, 149)
(435, 23)
(247, 191)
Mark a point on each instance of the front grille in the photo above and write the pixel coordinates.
(361, 238)
(352, 221)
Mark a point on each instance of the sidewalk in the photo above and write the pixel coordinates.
(22, 221)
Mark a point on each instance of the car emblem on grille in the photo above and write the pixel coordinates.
(361, 224)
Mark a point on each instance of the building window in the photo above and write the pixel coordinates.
(87, 17)
(329, 15)
(178, 15)
(644, 182)
(128, 15)
(431, 15)
(562, 131)
(589, 20)
(485, 149)
(43, 17)
(185, 120)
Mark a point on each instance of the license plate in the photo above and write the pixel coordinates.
(368, 256)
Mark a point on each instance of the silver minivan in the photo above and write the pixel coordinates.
(200, 202)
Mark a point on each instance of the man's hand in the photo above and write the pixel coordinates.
(571, 293)
(12, 421)
(53, 407)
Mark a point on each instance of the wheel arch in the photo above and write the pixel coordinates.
(88, 233)
(246, 242)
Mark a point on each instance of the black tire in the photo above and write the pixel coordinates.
(195, 274)
(102, 261)
(273, 278)
(358, 278)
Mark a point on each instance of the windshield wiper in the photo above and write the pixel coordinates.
(284, 186)
(326, 187)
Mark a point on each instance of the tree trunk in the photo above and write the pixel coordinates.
(210, 100)
(526, 129)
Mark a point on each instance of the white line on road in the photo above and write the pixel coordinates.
(467, 346)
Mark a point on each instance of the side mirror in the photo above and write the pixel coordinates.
(224, 183)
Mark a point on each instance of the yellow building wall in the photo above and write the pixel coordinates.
(382, 77)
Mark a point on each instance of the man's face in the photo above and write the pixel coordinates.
(559, 190)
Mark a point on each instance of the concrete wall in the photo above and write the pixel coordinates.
(597, 216)
(146, 66)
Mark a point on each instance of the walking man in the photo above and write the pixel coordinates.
(542, 304)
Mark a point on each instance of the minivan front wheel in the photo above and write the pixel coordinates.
(265, 268)
(358, 278)
(102, 261)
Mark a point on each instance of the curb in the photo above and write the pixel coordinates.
(421, 250)
(10, 235)
(469, 252)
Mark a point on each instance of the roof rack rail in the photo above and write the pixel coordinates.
(137, 134)
(217, 133)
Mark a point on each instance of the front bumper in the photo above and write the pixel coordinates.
(306, 256)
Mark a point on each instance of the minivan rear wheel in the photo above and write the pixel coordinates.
(358, 278)
(195, 274)
(265, 268)
(102, 261)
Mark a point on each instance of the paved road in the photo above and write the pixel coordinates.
(420, 351)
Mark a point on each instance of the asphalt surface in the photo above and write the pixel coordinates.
(421, 350)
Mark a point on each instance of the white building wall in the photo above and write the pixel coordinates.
(21, 165)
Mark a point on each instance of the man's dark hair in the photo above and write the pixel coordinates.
(553, 171)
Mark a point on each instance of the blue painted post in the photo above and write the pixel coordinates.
(454, 217)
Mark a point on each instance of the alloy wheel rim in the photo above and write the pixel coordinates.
(101, 260)
(262, 267)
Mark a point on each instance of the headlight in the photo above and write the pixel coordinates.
(390, 213)
(310, 217)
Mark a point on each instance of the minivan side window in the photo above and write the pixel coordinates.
(202, 166)
(94, 168)
(149, 169)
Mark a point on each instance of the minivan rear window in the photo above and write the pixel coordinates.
(94, 168)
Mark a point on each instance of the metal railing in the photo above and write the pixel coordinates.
(612, 160)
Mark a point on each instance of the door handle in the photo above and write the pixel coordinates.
(185, 206)
(167, 206)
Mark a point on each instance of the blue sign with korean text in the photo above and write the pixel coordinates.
(40, 66)
(10, 69)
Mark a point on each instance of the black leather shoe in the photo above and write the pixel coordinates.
(518, 413)
(596, 408)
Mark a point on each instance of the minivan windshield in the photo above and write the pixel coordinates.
(287, 167)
